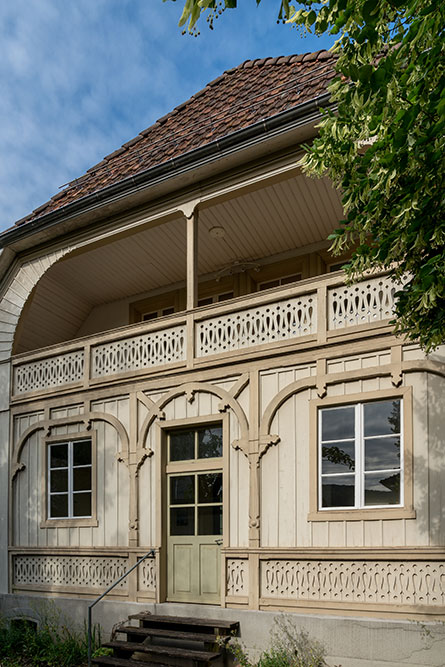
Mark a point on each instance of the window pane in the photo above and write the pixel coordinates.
(59, 506)
(290, 279)
(210, 488)
(382, 418)
(210, 442)
(338, 457)
(82, 479)
(210, 520)
(338, 491)
(82, 453)
(182, 445)
(382, 490)
(59, 456)
(225, 296)
(182, 521)
(382, 453)
(82, 504)
(182, 490)
(59, 480)
(338, 423)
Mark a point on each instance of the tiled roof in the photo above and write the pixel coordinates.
(253, 91)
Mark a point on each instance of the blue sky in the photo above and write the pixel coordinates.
(79, 78)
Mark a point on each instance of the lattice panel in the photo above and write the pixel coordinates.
(147, 575)
(370, 301)
(266, 324)
(139, 352)
(87, 571)
(47, 373)
(237, 577)
(390, 582)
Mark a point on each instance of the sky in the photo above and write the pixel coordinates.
(80, 78)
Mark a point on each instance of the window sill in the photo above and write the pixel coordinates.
(69, 523)
(363, 514)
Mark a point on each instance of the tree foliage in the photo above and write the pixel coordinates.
(383, 145)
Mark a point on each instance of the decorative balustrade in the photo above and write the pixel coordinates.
(285, 315)
(255, 326)
(50, 372)
(376, 582)
(365, 302)
(68, 571)
(138, 352)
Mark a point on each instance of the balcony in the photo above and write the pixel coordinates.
(311, 312)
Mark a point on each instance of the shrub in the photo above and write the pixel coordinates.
(289, 647)
(52, 641)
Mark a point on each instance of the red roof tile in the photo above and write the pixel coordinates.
(253, 91)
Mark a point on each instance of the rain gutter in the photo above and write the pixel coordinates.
(276, 125)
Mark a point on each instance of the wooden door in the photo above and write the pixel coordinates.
(194, 515)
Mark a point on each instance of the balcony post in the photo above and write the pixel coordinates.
(192, 259)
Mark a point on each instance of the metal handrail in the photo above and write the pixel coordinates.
(149, 554)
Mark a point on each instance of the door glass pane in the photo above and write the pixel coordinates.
(382, 418)
(210, 442)
(182, 521)
(82, 504)
(82, 453)
(210, 488)
(82, 479)
(382, 489)
(338, 423)
(182, 490)
(59, 506)
(210, 520)
(182, 445)
(59, 480)
(338, 457)
(338, 491)
(59, 456)
(382, 453)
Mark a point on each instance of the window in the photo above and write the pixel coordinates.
(195, 480)
(70, 479)
(200, 443)
(157, 313)
(215, 298)
(360, 455)
(283, 280)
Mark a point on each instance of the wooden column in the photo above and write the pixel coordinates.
(192, 260)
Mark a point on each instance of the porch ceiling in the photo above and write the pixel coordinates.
(285, 215)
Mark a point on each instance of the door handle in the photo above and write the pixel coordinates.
(218, 542)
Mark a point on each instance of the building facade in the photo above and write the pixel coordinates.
(184, 369)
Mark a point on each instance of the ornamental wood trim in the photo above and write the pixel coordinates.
(277, 320)
(365, 582)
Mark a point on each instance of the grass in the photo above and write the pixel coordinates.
(49, 641)
(289, 647)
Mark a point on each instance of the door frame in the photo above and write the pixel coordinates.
(163, 428)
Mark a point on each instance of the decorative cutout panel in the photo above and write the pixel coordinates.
(147, 575)
(265, 324)
(370, 301)
(237, 577)
(88, 571)
(47, 373)
(390, 582)
(139, 352)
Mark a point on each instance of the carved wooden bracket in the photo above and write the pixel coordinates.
(16, 468)
(265, 442)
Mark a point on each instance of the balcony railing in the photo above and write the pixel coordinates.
(315, 309)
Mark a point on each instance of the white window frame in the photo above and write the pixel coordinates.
(70, 520)
(359, 447)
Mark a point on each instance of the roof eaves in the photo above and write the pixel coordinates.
(281, 122)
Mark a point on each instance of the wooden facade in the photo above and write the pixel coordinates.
(80, 363)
